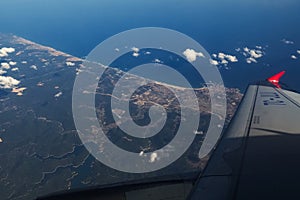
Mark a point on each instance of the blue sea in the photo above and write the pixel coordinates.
(77, 26)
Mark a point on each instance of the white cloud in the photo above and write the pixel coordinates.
(33, 67)
(135, 54)
(255, 53)
(19, 91)
(199, 132)
(5, 66)
(70, 64)
(294, 57)
(147, 52)
(231, 58)
(153, 157)
(298, 51)
(9, 50)
(117, 49)
(213, 62)
(224, 62)
(15, 69)
(251, 60)
(191, 55)
(252, 54)
(8, 82)
(58, 94)
(40, 84)
(135, 49)
(157, 61)
(24, 62)
(78, 71)
(5, 51)
(221, 56)
(11, 63)
(287, 41)
(2, 72)
(223, 59)
(246, 49)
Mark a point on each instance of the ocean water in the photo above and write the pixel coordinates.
(76, 27)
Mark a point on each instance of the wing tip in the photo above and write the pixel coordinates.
(276, 78)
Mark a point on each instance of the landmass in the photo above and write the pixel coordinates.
(40, 150)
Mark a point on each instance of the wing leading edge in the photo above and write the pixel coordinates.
(259, 155)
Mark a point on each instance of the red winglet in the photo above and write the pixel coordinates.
(276, 78)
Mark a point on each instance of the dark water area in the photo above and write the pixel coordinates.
(159, 57)
(3, 93)
(76, 27)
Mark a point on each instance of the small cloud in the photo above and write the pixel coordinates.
(117, 49)
(153, 157)
(5, 66)
(24, 62)
(251, 60)
(158, 61)
(78, 71)
(58, 94)
(8, 82)
(5, 51)
(135, 49)
(147, 52)
(135, 54)
(287, 41)
(213, 62)
(33, 67)
(224, 62)
(191, 55)
(221, 56)
(223, 59)
(70, 64)
(19, 91)
(40, 84)
(246, 49)
(294, 57)
(298, 51)
(2, 72)
(15, 69)
(231, 58)
(11, 63)
(141, 153)
(253, 54)
(198, 132)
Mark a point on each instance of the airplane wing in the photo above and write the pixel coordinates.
(259, 154)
